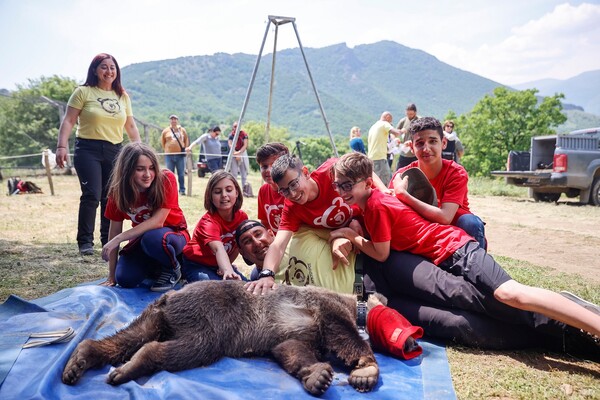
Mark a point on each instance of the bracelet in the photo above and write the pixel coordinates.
(60, 147)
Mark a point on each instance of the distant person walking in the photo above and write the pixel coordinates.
(101, 109)
(406, 154)
(174, 140)
(211, 147)
(356, 142)
(377, 149)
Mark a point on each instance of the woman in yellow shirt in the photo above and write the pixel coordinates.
(101, 108)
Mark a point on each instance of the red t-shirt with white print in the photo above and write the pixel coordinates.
(328, 210)
(210, 228)
(270, 207)
(141, 212)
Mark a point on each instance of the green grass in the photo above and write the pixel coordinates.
(38, 256)
(485, 186)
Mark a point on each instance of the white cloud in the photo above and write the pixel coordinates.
(560, 44)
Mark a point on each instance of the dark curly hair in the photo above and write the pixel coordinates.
(426, 123)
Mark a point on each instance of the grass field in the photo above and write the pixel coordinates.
(38, 256)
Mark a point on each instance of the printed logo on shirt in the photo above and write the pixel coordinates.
(111, 106)
(140, 214)
(228, 241)
(273, 212)
(336, 215)
(297, 273)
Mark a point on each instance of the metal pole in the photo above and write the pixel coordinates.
(271, 85)
(316, 92)
(248, 92)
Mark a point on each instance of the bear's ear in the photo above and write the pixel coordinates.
(376, 299)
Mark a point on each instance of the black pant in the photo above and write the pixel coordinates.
(93, 160)
(451, 308)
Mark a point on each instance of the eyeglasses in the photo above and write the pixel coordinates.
(449, 126)
(292, 186)
(346, 186)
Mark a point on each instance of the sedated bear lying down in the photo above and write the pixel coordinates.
(207, 320)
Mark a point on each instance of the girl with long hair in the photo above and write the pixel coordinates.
(212, 249)
(143, 193)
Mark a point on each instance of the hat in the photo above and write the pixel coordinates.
(216, 129)
(419, 186)
(242, 228)
(173, 116)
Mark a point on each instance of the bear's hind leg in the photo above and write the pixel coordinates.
(299, 359)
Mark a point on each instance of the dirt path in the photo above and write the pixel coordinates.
(564, 236)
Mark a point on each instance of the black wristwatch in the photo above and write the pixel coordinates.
(265, 273)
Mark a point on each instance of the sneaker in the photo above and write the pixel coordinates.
(167, 280)
(86, 249)
(581, 344)
(583, 303)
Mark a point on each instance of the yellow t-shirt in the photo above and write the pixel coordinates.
(103, 113)
(377, 140)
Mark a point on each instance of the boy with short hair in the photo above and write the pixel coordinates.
(270, 201)
(447, 177)
(446, 246)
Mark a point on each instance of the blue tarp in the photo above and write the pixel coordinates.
(96, 311)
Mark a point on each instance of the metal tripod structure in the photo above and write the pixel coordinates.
(277, 21)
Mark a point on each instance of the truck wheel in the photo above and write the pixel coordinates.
(595, 192)
(546, 197)
(201, 173)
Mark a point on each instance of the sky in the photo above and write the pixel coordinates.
(508, 41)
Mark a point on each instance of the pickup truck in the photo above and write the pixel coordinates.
(565, 163)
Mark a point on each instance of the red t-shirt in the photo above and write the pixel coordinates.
(385, 214)
(451, 185)
(328, 210)
(210, 228)
(240, 142)
(270, 207)
(141, 212)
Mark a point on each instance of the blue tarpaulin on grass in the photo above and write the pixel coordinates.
(96, 311)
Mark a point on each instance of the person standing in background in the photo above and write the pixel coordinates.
(240, 162)
(174, 141)
(406, 154)
(458, 149)
(356, 142)
(377, 149)
(211, 148)
(101, 108)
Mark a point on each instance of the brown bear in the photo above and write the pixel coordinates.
(207, 320)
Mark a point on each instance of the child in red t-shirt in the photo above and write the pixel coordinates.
(212, 249)
(139, 191)
(270, 201)
(448, 178)
(445, 245)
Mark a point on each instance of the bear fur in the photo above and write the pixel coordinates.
(207, 320)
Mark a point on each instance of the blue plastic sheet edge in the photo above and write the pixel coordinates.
(96, 311)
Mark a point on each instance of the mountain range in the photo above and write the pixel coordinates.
(355, 86)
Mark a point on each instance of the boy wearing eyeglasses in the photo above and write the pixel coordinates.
(393, 225)
(448, 178)
(312, 208)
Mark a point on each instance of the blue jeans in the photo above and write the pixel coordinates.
(177, 161)
(214, 164)
(473, 225)
(156, 250)
(193, 272)
(93, 160)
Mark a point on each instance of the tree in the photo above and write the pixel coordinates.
(29, 118)
(503, 122)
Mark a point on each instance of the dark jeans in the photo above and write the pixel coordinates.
(214, 164)
(93, 160)
(450, 307)
(193, 271)
(157, 250)
(177, 162)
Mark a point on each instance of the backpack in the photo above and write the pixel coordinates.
(12, 185)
